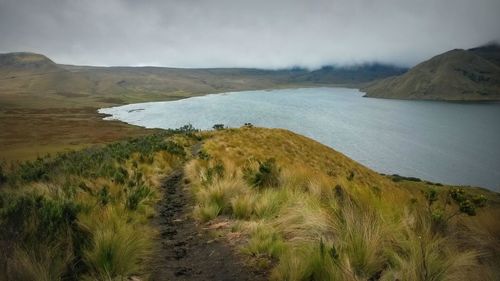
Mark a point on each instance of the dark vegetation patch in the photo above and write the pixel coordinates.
(267, 175)
(398, 178)
(71, 95)
(111, 100)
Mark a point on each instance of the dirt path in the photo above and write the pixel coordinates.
(188, 252)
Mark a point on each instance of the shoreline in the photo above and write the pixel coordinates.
(124, 110)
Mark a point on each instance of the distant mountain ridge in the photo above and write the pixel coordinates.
(456, 75)
(489, 52)
(350, 74)
(49, 84)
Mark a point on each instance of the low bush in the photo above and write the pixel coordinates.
(398, 178)
(3, 176)
(30, 217)
(218, 127)
(104, 196)
(120, 175)
(444, 206)
(268, 174)
(137, 195)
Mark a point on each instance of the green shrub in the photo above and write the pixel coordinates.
(464, 202)
(186, 129)
(3, 176)
(104, 196)
(431, 195)
(398, 178)
(218, 127)
(212, 173)
(203, 155)
(34, 217)
(120, 175)
(268, 174)
(97, 161)
(350, 176)
(479, 200)
(137, 195)
(33, 170)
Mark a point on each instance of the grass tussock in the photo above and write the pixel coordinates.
(44, 263)
(118, 248)
(266, 241)
(218, 197)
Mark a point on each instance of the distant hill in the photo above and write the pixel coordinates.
(42, 83)
(25, 61)
(457, 75)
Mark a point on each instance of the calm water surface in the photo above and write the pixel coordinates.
(452, 143)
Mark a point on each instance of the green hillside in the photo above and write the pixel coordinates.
(457, 75)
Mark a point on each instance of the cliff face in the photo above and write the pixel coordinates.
(457, 75)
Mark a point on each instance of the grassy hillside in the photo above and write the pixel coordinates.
(308, 212)
(457, 75)
(294, 207)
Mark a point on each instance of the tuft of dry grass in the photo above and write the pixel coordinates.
(39, 262)
(118, 249)
(218, 197)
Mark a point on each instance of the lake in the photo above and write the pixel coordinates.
(452, 143)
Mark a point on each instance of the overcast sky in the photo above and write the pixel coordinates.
(252, 33)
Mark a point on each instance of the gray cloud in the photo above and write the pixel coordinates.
(234, 33)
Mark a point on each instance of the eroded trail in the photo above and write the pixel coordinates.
(187, 252)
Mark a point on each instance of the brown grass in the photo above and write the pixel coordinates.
(28, 133)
